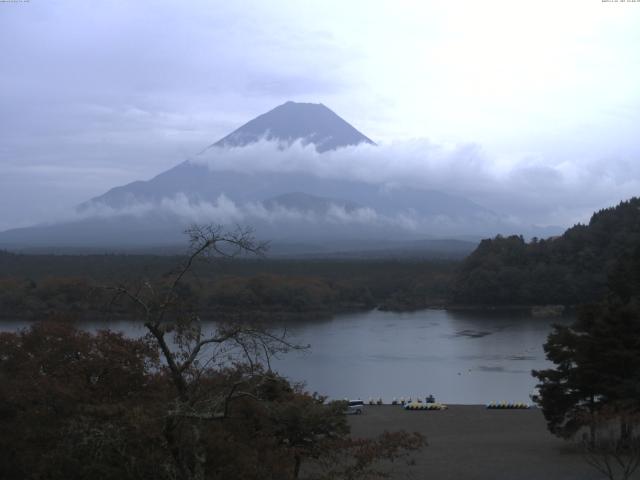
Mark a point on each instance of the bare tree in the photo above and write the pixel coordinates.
(613, 448)
(189, 350)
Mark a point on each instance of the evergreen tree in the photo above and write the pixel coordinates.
(571, 269)
(597, 359)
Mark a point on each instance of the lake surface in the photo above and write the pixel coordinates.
(459, 357)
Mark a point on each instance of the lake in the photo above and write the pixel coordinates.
(459, 357)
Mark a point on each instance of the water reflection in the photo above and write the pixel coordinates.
(460, 357)
(468, 357)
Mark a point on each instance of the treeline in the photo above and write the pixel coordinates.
(505, 271)
(35, 285)
(571, 269)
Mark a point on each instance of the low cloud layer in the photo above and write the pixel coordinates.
(225, 211)
(525, 192)
(528, 190)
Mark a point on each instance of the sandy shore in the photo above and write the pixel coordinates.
(469, 442)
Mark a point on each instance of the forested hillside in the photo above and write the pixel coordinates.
(570, 269)
(36, 286)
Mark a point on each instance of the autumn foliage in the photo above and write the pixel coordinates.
(81, 405)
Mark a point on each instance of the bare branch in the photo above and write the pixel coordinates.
(121, 290)
(196, 350)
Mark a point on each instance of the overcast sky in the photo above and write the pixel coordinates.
(98, 94)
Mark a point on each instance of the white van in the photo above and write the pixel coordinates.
(355, 407)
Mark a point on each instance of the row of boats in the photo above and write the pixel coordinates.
(403, 401)
(425, 406)
(430, 403)
(508, 405)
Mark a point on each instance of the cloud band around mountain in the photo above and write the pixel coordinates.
(529, 190)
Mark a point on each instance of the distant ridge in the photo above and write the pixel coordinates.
(310, 122)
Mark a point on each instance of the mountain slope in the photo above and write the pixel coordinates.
(304, 202)
(309, 122)
(289, 122)
(199, 183)
(570, 269)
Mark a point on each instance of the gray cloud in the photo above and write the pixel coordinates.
(225, 211)
(290, 223)
(528, 191)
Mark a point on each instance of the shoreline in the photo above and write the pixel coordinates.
(268, 316)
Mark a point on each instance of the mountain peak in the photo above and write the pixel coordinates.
(309, 122)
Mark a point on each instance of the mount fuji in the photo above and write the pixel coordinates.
(292, 206)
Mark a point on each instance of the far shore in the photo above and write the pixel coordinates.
(274, 315)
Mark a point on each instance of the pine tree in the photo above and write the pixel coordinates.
(597, 362)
